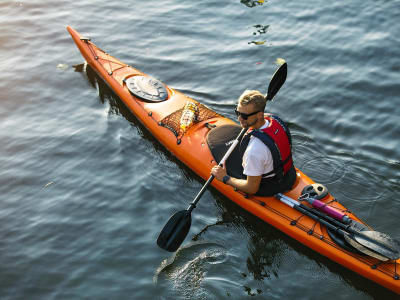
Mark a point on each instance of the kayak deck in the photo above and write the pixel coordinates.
(191, 148)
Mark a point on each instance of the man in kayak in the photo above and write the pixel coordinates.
(267, 157)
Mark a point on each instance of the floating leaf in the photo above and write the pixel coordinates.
(258, 42)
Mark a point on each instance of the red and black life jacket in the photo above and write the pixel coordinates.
(276, 136)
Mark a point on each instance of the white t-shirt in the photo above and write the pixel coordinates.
(257, 159)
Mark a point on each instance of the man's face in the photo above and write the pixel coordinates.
(243, 112)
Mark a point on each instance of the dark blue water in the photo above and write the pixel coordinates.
(85, 189)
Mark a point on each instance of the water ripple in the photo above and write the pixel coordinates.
(187, 269)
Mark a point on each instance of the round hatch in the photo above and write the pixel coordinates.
(147, 88)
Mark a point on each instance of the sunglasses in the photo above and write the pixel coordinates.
(243, 115)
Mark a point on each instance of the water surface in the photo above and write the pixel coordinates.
(85, 189)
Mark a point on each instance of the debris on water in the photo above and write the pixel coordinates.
(48, 184)
(257, 42)
(261, 29)
(252, 3)
(250, 292)
(62, 66)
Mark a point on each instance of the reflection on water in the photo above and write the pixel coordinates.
(265, 248)
(265, 256)
(260, 30)
(270, 251)
(117, 107)
(265, 245)
(354, 180)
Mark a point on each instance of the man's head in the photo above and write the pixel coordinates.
(253, 97)
(250, 109)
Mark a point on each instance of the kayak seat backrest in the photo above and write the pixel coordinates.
(219, 139)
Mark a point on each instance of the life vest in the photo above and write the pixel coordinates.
(276, 136)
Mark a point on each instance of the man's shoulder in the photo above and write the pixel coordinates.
(257, 145)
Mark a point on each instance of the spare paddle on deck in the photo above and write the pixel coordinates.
(177, 227)
(372, 243)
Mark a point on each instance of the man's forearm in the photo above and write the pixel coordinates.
(243, 185)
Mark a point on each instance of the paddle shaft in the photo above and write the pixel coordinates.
(356, 238)
(176, 229)
(346, 227)
(221, 163)
(314, 214)
(293, 202)
(381, 240)
(277, 80)
(329, 210)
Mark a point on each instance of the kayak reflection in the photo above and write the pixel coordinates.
(270, 251)
(117, 107)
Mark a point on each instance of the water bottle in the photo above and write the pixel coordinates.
(189, 115)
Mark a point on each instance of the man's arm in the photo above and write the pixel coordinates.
(248, 186)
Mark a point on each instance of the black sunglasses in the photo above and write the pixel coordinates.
(243, 115)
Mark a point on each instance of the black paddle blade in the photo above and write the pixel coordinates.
(278, 79)
(175, 231)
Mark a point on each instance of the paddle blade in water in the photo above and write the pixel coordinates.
(175, 231)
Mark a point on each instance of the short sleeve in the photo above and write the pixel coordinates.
(257, 159)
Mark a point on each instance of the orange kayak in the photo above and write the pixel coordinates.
(162, 110)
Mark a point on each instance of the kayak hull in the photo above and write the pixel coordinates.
(191, 148)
